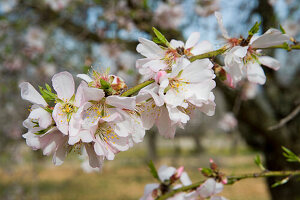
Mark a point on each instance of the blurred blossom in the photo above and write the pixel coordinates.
(35, 39)
(85, 165)
(7, 5)
(291, 28)
(168, 16)
(57, 5)
(13, 64)
(48, 69)
(14, 133)
(205, 8)
(228, 122)
(249, 91)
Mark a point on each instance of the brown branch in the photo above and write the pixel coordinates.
(286, 119)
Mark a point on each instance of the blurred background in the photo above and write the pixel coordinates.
(39, 38)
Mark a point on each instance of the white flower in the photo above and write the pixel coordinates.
(35, 39)
(244, 61)
(228, 122)
(158, 58)
(165, 173)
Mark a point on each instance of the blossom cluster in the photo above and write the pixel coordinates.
(169, 176)
(101, 119)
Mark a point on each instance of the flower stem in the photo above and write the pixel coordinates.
(136, 88)
(231, 179)
(285, 46)
(209, 54)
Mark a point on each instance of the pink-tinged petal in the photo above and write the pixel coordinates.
(149, 49)
(60, 153)
(60, 119)
(32, 140)
(176, 43)
(220, 22)
(164, 124)
(179, 66)
(121, 102)
(255, 73)
(113, 116)
(185, 179)
(270, 38)
(159, 75)
(208, 108)
(122, 128)
(269, 62)
(63, 84)
(192, 40)
(85, 77)
(94, 160)
(202, 47)
(198, 71)
(148, 191)
(165, 172)
(85, 94)
(149, 114)
(44, 118)
(120, 144)
(30, 94)
(173, 97)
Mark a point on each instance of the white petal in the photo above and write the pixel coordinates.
(177, 116)
(208, 188)
(240, 51)
(60, 119)
(44, 117)
(85, 77)
(85, 94)
(121, 102)
(185, 179)
(59, 155)
(30, 94)
(192, 40)
(269, 62)
(63, 84)
(198, 71)
(165, 172)
(149, 49)
(255, 73)
(176, 43)
(220, 22)
(270, 38)
(202, 47)
(164, 124)
(94, 160)
(155, 65)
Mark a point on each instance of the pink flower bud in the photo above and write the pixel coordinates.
(159, 75)
(211, 160)
(179, 171)
(224, 181)
(229, 81)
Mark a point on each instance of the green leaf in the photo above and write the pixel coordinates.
(41, 132)
(48, 110)
(153, 170)
(254, 29)
(161, 37)
(282, 29)
(157, 41)
(48, 87)
(281, 182)
(291, 157)
(207, 171)
(46, 94)
(104, 84)
(258, 162)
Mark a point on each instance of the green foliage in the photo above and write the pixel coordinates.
(282, 29)
(258, 162)
(160, 38)
(291, 157)
(254, 29)
(47, 93)
(153, 170)
(41, 132)
(207, 172)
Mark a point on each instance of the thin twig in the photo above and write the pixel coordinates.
(286, 119)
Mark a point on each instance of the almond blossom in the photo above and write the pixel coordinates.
(228, 122)
(171, 103)
(110, 124)
(208, 189)
(161, 58)
(41, 131)
(167, 175)
(244, 61)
